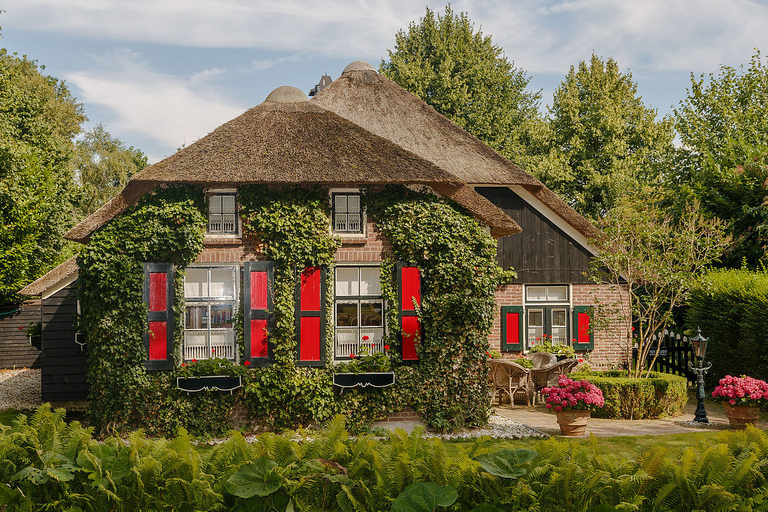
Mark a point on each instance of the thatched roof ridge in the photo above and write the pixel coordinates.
(381, 106)
(290, 140)
(54, 276)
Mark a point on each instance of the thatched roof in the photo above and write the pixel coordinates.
(58, 274)
(290, 140)
(378, 104)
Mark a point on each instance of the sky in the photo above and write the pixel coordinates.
(160, 74)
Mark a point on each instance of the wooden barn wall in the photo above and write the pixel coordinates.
(15, 349)
(64, 361)
(542, 252)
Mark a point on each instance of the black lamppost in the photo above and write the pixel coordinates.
(699, 344)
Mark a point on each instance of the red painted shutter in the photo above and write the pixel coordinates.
(512, 328)
(258, 281)
(158, 296)
(409, 291)
(310, 317)
(584, 337)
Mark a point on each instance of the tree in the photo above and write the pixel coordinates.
(102, 166)
(723, 125)
(653, 258)
(38, 121)
(606, 141)
(467, 78)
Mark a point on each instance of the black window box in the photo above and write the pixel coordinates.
(372, 379)
(209, 383)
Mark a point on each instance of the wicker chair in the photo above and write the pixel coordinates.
(546, 376)
(541, 359)
(508, 377)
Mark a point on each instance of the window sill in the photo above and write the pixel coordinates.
(356, 239)
(223, 240)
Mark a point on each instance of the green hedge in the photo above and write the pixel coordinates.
(729, 306)
(661, 394)
(49, 465)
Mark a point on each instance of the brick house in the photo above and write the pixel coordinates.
(362, 130)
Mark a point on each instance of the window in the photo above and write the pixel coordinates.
(546, 315)
(347, 217)
(210, 296)
(222, 214)
(358, 311)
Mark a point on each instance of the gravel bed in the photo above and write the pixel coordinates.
(20, 389)
(498, 427)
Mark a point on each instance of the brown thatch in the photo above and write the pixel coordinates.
(500, 224)
(54, 276)
(290, 140)
(381, 106)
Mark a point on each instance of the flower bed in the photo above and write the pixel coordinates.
(661, 394)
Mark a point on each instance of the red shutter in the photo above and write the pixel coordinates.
(409, 285)
(158, 296)
(584, 338)
(512, 328)
(258, 310)
(310, 317)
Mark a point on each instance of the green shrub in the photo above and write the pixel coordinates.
(661, 394)
(729, 306)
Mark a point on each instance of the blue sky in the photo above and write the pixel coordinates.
(162, 73)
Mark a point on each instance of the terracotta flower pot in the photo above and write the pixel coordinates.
(741, 415)
(573, 423)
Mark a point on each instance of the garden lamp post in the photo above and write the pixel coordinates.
(699, 344)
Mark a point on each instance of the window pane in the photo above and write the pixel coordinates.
(347, 283)
(346, 314)
(559, 318)
(214, 205)
(346, 343)
(353, 223)
(535, 318)
(558, 293)
(214, 223)
(560, 335)
(221, 316)
(222, 282)
(371, 314)
(537, 292)
(341, 203)
(370, 281)
(222, 344)
(229, 224)
(372, 339)
(228, 204)
(196, 317)
(340, 222)
(353, 204)
(196, 282)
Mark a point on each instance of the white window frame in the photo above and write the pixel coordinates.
(548, 307)
(343, 349)
(363, 217)
(238, 224)
(230, 349)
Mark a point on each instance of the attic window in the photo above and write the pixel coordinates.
(347, 217)
(222, 214)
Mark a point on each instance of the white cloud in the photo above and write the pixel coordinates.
(170, 110)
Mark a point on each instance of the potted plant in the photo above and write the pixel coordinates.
(366, 368)
(742, 398)
(573, 401)
(545, 344)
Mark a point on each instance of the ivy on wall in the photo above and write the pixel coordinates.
(290, 227)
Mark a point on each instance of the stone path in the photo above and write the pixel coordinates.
(539, 418)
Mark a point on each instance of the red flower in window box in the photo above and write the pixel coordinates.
(194, 360)
(247, 363)
(366, 338)
(352, 356)
(183, 365)
(386, 347)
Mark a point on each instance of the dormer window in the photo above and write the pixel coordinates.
(222, 214)
(347, 217)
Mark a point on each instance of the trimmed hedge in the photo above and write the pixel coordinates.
(661, 394)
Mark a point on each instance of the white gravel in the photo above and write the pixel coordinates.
(498, 427)
(20, 389)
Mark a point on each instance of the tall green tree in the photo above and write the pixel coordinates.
(723, 125)
(467, 78)
(103, 165)
(39, 119)
(605, 140)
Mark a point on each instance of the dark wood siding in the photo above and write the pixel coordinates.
(542, 252)
(15, 349)
(64, 361)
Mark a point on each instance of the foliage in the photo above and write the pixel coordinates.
(741, 391)
(213, 366)
(39, 119)
(607, 141)
(468, 79)
(657, 395)
(550, 348)
(49, 465)
(573, 395)
(366, 361)
(652, 260)
(729, 306)
(102, 166)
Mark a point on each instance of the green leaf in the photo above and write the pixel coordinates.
(603, 507)
(485, 507)
(424, 497)
(506, 463)
(255, 478)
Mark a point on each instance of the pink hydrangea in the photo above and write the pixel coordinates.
(741, 390)
(573, 395)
